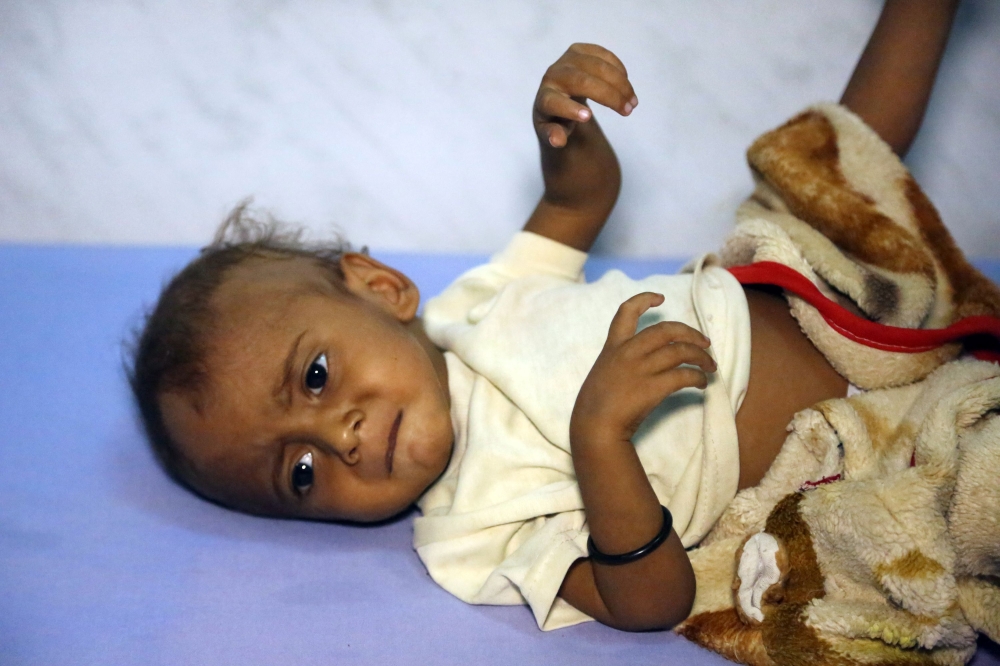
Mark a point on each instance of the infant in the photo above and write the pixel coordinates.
(565, 441)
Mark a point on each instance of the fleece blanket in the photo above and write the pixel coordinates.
(875, 535)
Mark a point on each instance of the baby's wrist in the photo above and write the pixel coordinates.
(590, 433)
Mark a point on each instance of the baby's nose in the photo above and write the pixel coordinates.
(347, 439)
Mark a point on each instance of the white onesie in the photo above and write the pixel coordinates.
(505, 521)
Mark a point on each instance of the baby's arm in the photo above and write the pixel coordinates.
(892, 81)
(633, 373)
(579, 167)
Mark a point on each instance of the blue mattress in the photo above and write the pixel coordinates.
(104, 561)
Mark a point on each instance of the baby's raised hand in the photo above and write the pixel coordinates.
(585, 71)
(635, 371)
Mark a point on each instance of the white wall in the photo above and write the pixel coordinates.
(407, 123)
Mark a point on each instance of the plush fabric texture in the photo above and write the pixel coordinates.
(834, 202)
(886, 503)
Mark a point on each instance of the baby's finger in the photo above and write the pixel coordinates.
(551, 103)
(602, 63)
(607, 72)
(627, 318)
(676, 354)
(555, 134)
(586, 77)
(599, 51)
(666, 332)
(680, 378)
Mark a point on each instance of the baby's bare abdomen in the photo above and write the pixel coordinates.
(787, 374)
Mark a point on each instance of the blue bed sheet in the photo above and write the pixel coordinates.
(104, 561)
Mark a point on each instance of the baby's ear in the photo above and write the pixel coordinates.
(382, 285)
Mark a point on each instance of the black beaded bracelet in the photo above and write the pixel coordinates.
(638, 553)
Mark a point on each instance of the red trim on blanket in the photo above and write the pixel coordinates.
(980, 334)
(809, 485)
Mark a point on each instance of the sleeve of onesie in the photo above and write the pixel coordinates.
(526, 254)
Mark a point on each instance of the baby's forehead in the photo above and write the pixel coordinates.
(272, 277)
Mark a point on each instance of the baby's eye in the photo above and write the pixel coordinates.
(316, 375)
(302, 474)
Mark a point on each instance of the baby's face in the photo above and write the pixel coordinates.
(322, 402)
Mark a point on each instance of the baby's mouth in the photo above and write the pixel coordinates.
(389, 452)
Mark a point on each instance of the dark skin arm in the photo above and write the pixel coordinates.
(634, 372)
(580, 170)
(889, 89)
(892, 81)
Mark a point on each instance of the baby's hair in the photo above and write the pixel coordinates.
(168, 353)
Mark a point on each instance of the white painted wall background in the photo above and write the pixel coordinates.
(407, 124)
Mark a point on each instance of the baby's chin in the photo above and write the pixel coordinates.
(427, 449)
(419, 481)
